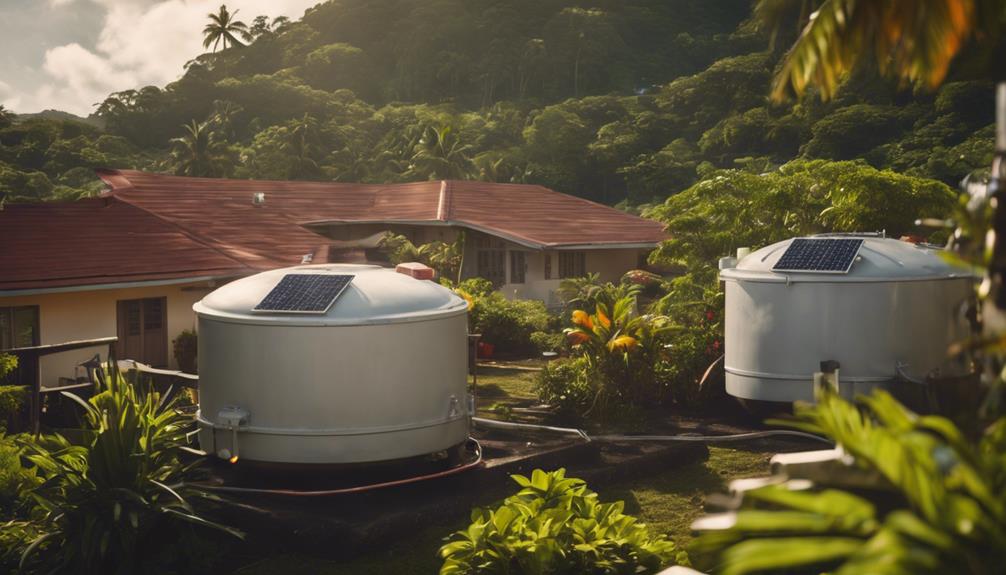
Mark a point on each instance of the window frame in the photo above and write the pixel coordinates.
(515, 277)
(491, 264)
(11, 336)
(572, 264)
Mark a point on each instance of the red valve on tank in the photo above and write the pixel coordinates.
(416, 270)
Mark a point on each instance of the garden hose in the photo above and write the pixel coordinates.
(494, 424)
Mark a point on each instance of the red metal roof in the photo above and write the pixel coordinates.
(222, 212)
(154, 227)
(98, 241)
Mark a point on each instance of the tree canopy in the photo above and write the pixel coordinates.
(620, 102)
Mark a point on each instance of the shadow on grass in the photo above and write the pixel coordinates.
(492, 391)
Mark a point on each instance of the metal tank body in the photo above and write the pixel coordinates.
(899, 306)
(381, 375)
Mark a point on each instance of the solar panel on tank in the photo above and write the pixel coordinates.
(819, 255)
(304, 293)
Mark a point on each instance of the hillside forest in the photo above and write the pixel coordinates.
(623, 102)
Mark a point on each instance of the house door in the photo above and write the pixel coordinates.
(143, 330)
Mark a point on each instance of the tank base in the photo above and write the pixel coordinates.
(790, 390)
(306, 479)
(284, 447)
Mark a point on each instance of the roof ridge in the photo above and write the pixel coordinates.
(443, 202)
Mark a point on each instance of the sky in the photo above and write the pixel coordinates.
(70, 54)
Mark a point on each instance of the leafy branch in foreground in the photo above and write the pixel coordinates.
(936, 504)
(114, 502)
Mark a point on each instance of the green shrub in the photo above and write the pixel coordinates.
(115, 503)
(555, 525)
(588, 291)
(476, 287)
(735, 208)
(619, 352)
(548, 341)
(566, 384)
(698, 308)
(12, 397)
(508, 324)
(8, 363)
(15, 477)
(19, 525)
(186, 351)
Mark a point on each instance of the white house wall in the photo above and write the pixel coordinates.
(71, 316)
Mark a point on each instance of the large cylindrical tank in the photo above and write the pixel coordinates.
(380, 375)
(892, 315)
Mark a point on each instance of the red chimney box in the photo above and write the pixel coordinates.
(416, 270)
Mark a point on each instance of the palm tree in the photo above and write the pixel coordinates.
(441, 155)
(914, 40)
(224, 29)
(303, 143)
(262, 26)
(200, 153)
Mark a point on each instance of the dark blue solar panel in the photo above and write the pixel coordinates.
(825, 255)
(305, 293)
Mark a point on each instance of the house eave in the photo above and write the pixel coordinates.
(112, 285)
(444, 223)
(605, 246)
(526, 242)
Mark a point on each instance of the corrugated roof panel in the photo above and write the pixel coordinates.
(97, 241)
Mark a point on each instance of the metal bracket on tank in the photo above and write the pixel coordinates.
(827, 377)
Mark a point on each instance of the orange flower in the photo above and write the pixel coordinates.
(623, 342)
(602, 318)
(577, 337)
(582, 318)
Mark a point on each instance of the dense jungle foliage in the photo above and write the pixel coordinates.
(614, 101)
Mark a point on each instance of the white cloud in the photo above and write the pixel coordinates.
(8, 98)
(142, 42)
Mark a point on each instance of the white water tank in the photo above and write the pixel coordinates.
(380, 375)
(897, 308)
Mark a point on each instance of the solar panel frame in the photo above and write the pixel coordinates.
(819, 255)
(312, 294)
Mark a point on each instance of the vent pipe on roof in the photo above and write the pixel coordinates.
(258, 199)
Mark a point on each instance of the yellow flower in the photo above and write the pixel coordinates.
(582, 319)
(622, 342)
(467, 297)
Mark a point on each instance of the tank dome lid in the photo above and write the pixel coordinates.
(879, 259)
(374, 295)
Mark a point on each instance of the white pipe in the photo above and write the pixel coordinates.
(494, 424)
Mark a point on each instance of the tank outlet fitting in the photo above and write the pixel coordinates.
(455, 407)
(827, 377)
(232, 417)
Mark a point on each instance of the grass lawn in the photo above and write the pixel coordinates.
(668, 502)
